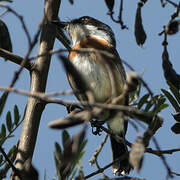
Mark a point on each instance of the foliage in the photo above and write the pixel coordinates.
(68, 158)
(143, 106)
(7, 132)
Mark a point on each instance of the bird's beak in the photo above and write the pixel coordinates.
(60, 24)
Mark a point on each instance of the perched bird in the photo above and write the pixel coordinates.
(89, 33)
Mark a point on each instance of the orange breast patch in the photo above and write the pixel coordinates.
(89, 42)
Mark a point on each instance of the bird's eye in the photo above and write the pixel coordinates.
(85, 19)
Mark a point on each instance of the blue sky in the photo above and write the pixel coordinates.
(147, 57)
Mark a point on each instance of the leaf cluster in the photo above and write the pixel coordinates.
(12, 122)
(69, 155)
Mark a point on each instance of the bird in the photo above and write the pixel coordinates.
(91, 34)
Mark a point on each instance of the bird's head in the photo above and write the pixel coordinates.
(87, 26)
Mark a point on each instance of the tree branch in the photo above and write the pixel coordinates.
(158, 153)
(39, 75)
(14, 58)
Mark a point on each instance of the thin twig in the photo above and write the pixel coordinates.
(17, 73)
(158, 153)
(163, 158)
(129, 111)
(6, 167)
(101, 170)
(97, 151)
(2, 14)
(172, 3)
(177, 174)
(120, 16)
(21, 20)
(80, 50)
(119, 21)
(9, 161)
(162, 3)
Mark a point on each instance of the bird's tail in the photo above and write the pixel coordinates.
(118, 150)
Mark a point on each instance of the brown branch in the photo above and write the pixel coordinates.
(80, 50)
(35, 107)
(158, 153)
(129, 111)
(14, 58)
(38, 95)
(177, 174)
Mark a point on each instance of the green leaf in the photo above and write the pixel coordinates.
(177, 116)
(143, 100)
(110, 4)
(16, 115)
(139, 32)
(56, 164)
(3, 101)
(57, 159)
(148, 106)
(137, 92)
(176, 128)
(11, 151)
(160, 99)
(1, 159)
(3, 130)
(73, 174)
(83, 145)
(160, 108)
(171, 99)
(175, 91)
(9, 121)
(78, 158)
(5, 40)
(58, 148)
(24, 113)
(65, 137)
(2, 140)
(134, 96)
